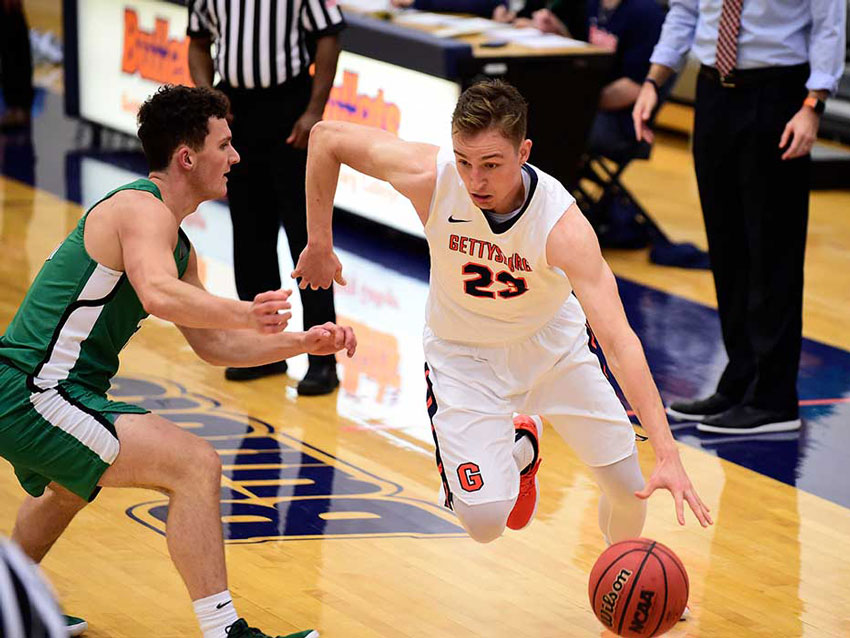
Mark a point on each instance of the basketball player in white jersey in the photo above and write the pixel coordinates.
(504, 333)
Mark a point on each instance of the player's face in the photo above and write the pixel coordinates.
(215, 159)
(490, 166)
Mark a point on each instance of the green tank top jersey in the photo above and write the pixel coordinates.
(78, 314)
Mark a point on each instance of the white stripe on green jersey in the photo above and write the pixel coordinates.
(78, 314)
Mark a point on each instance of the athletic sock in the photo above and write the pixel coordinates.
(523, 451)
(215, 613)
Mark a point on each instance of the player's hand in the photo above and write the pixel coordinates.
(329, 338)
(300, 134)
(646, 102)
(669, 473)
(268, 312)
(801, 131)
(318, 268)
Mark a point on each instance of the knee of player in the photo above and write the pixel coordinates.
(486, 522)
(203, 465)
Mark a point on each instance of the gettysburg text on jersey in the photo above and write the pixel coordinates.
(487, 250)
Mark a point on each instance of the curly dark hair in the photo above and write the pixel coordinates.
(176, 115)
(491, 104)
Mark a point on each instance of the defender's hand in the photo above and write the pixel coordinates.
(669, 473)
(329, 338)
(267, 313)
(318, 268)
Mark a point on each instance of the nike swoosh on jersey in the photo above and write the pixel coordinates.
(452, 220)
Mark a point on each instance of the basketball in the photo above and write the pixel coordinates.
(638, 588)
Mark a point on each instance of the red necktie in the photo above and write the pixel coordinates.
(727, 36)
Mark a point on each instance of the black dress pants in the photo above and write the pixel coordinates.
(15, 59)
(756, 208)
(266, 189)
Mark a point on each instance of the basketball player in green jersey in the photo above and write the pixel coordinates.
(128, 258)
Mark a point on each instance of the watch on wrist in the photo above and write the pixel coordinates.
(816, 104)
(652, 82)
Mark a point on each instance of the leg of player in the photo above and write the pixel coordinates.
(158, 454)
(42, 520)
(484, 522)
(621, 513)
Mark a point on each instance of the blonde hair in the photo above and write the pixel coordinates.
(491, 104)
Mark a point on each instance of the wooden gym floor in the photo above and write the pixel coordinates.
(330, 502)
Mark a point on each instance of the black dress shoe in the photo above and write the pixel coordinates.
(255, 372)
(320, 379)
(745, 419)
(698, 409)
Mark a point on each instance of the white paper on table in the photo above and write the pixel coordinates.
(514, 34)
(367, 6)
(467, 26)
(425, 19)
(550, 41)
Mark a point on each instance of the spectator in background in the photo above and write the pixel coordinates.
(274, 102)
(629, 29)
(16, 65)
(564, 17)
(571, 13)
(767, 67)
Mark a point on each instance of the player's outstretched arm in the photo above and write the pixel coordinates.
(573, 247)
(242, 348)
(146, 231)
(411, 169)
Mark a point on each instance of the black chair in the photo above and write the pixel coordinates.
(605, 170)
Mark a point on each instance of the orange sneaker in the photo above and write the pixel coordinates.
(526, 502)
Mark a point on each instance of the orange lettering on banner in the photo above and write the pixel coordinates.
(377, 359)
(154, 55)
(345, 104)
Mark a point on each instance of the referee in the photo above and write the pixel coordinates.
(263, 53)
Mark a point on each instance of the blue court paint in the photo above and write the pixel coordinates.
(685, 352)
(279, 488)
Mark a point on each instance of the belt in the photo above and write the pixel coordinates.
(749, 77)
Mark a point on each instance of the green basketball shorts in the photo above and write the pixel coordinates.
(64, 434)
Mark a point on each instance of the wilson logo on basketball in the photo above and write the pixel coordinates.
(153, 54)
(642, 611)
(345, 104)
(609, 600)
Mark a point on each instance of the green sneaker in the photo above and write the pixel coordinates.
(74, 625)
(240, 629)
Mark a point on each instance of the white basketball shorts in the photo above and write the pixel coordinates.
(473, 393)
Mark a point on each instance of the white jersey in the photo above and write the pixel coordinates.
(492, 285)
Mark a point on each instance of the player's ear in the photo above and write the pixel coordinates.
(524, 151)
(185, 158)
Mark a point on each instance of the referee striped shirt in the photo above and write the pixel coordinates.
(262, 43)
